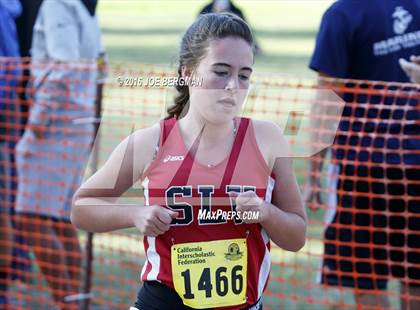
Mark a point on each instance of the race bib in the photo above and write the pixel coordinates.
(210, 274)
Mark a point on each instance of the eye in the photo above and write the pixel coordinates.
(221, 73)
(244, 77)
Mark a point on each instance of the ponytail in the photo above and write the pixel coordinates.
(180, 100)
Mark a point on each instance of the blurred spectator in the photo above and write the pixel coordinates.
(25, 25)
(366, 239)
(55, 146)
(9, 76)
(218, 6)
(412, 68)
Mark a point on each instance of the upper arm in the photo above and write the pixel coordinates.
(271, 141)
(61, 31)
(333, 45)
(124, 167)
(286, 194)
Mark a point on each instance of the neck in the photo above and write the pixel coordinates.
(191, 126)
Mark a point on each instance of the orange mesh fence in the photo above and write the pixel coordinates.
(56, 130)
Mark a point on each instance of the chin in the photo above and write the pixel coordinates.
(221, 117)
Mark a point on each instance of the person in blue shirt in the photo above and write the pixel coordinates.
(374, 232)
(9, 75)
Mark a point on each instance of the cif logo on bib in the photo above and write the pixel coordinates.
(234, 252)
(402, 18)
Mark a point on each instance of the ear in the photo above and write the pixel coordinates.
(185, 72)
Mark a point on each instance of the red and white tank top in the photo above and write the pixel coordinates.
(175, 180)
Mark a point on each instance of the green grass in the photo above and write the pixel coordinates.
(149, 31)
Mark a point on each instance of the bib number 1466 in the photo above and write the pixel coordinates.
(222, 284)
(210, 274)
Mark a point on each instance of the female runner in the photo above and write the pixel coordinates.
(215, 185)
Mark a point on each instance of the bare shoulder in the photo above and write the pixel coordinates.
(147, 137)
(270, 140)
(145, 142)
(266, 129)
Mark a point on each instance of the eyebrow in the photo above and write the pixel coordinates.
(227, 65)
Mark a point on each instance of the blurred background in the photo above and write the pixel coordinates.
(149, 31)
(141, 39)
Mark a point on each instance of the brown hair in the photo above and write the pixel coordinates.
(195, 41)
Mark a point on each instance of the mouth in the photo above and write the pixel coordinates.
(227, 102)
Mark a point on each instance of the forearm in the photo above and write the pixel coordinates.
(99, 215)
(285, 229)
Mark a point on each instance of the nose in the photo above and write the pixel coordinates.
(233, 83)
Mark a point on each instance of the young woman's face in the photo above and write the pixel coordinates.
(225, 73)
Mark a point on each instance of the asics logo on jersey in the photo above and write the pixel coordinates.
(173, 158)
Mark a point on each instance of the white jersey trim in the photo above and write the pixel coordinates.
(146, 190)
(265, 266)
(266, 262)
(153, 258)
(270, 188)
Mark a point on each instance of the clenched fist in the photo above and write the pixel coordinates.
(248, 204)
(154, 220)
